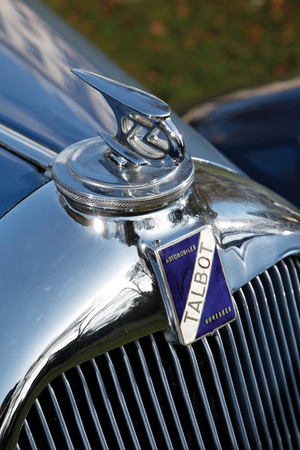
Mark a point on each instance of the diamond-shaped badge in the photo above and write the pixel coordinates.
(197, 285)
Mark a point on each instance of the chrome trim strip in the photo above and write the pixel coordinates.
(26, 148)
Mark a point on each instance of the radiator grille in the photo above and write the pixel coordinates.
(237, 389)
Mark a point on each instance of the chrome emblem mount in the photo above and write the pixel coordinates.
(145, 129)
(197, 290)
(142, 167)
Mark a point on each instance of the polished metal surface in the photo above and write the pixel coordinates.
(254, 227)
(22, 146)
(140, 168)
(78, 284)
(145, 130)
(85, 173)
(82, 287)
(241, 368)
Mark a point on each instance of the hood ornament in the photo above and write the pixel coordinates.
(141, 119)
(142, 167)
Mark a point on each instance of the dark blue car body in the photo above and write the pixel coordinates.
(259, 130)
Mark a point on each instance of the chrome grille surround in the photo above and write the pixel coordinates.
(237, 389)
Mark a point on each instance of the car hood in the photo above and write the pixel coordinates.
(40, 97)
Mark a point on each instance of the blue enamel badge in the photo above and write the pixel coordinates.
(197, 285)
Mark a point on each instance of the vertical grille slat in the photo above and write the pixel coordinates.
(202, 393)
(259, 369)
(92, 409)
(154, 398)
(168, 393)
(264, 350)
(44, 425)
(77, 416)
(240, 384)
(278, 358)
(61, 420)
(186, 397)
(138, 399)
(297, 275)
(123, 404)
(227, 423)
(289, 275)
(288, 337)
(286, 350)
(31, 441)
(230, 393)
(237, 389)
(108, 406)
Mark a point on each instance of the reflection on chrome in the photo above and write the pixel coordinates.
(90, 282)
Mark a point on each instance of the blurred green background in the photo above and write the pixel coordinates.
(183, 50)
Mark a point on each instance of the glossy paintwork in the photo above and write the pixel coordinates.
(18, 178)
(79, 284)
(40, 98)
(43, 100)
(258, 129)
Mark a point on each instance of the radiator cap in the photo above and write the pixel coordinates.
(142, 167)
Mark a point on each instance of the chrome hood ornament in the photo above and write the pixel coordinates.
(141, 117)
(142, 167)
